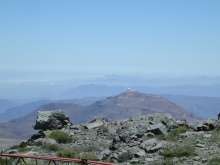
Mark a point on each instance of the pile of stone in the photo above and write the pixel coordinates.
(132, 141)
(50, 120)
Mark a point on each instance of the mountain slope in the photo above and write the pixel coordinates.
(21, 110)
(24, 109)
(23, 127)
(122, 106)
(204, 107)
(5, 104)
(132, 103)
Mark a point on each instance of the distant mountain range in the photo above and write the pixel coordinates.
(101, 90)
(132, 103)
(6, 104)
(21, 110)
(110, 85)
(26, 108)
(124, 105)
(203, 107)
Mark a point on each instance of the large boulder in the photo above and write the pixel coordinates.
(208, 125)
(137, 152)
(38, 135)
(152, 145)
(165, 119)
(158, 129)
(49, 120)
(95, 123)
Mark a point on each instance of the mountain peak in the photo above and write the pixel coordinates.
(132, 93)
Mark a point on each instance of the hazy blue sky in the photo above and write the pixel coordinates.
(91, 37)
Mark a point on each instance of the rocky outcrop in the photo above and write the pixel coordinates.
(152, 145)
(49, 120)
(158, 129)
(152, 139)
(208, 125)
(38, 135)
(95, 123)
(123, 106)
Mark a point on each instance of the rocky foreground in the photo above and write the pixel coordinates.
(151, 140)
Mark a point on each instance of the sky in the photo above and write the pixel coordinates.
(57, 39)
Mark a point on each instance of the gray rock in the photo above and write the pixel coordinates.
(38, 135)
(104, 154)
(202, 127)
(49, 120)
(123, 156)
(137, 152)
(149, 159)
(166, 119)
(149, 135)
(94, 124)
(204, 160)
(158, 129)
(207, 135)
(209, 125)
(200, 145)
(182, 123)
(196, 158)
(134, 161)
(46, 141)
(151, 145)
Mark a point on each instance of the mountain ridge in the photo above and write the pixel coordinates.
(124, 105)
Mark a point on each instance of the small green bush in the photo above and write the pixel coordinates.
(51, 147)
(174, 134)
(60, 137)
(4, 162)
(215, 138)
(25, 149)
(68, 153)
(89, 148)
(166, 161)
(178, 151)
(214, 161)
(88, 156)
(22, 147)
